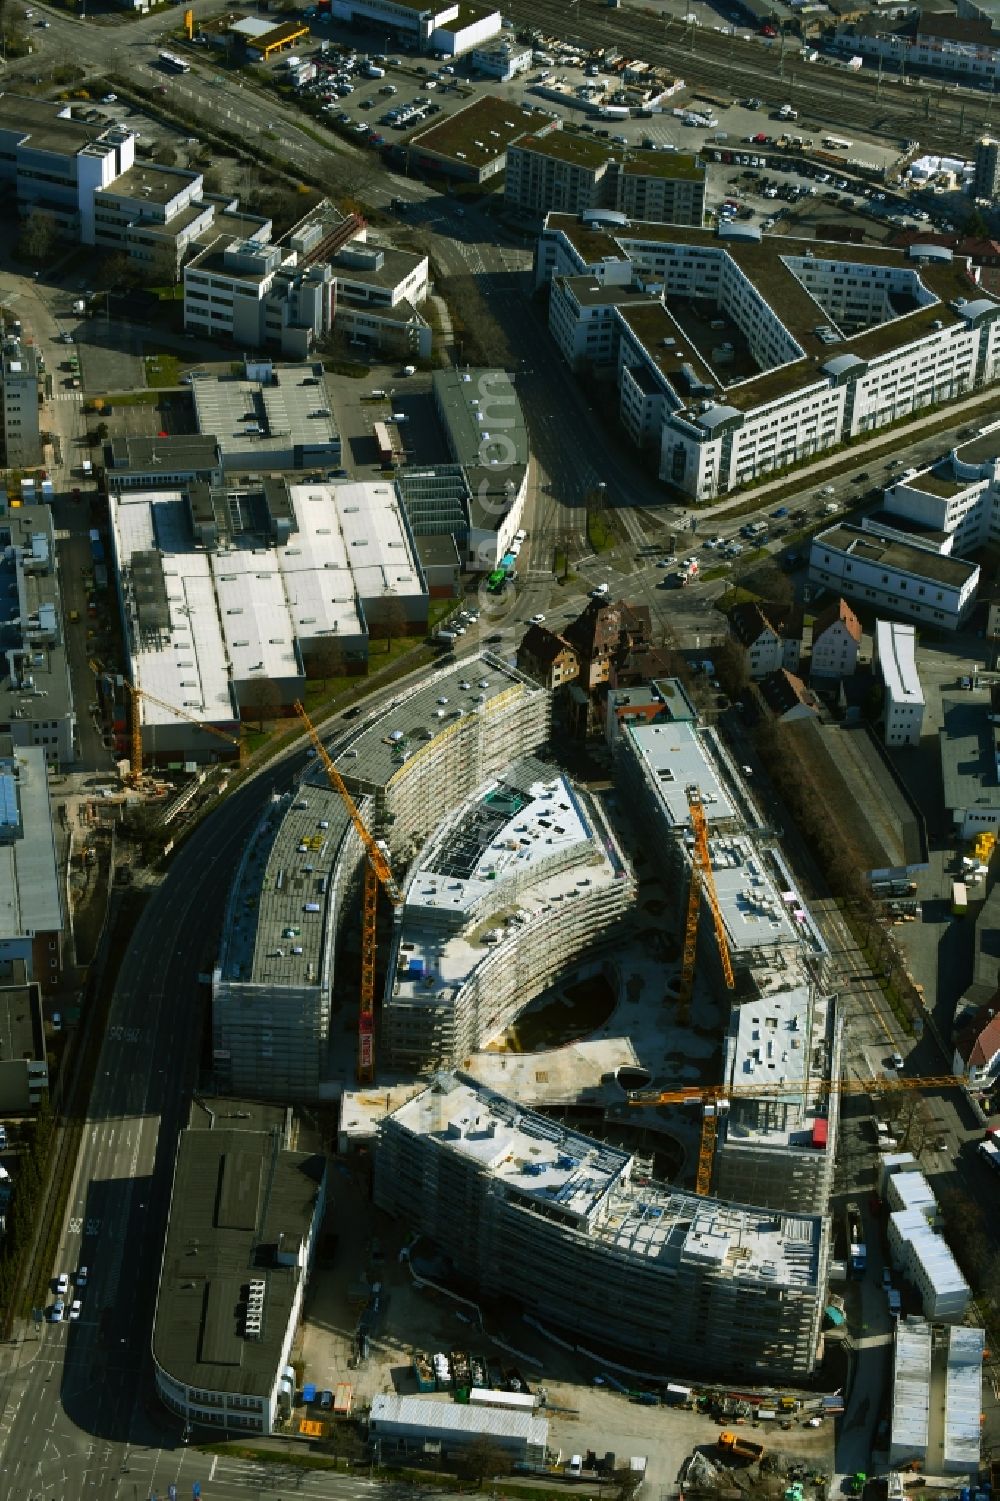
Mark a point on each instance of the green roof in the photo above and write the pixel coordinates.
(482, 417)
(477, 134)
(589, 151)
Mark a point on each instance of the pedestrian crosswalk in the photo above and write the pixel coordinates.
(67, 396)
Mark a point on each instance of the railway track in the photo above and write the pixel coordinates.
(822, 94)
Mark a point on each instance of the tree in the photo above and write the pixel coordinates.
(327, 659)
(38, 235)
(264, 701)
(481, 1461)
(387, 619)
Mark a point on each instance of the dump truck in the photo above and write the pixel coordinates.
(739, 1447)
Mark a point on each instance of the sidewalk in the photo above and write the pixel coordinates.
(886, 440)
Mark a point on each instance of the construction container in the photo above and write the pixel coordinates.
(423, 1373)
(343, 1400)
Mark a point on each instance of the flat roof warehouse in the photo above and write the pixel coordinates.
(477, 134)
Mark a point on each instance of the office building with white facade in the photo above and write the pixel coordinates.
(926, 41)
(810, 343)
(886, 573)
(250, 1204)
(451, 27)
(522, 881)
(501, 59)
(902, 695)
(325, 272)
(531, 1211)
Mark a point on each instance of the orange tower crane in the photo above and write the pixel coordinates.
(714, 1097)
(701, 879)
(136, 695)
(378, 872)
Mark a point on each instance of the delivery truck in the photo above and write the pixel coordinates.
(738, 1447)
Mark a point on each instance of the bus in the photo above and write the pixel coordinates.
(174, 64)
(835, 143)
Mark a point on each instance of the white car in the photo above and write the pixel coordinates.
(110, 99)
(538, 619)
(75, 1310)
(81, 1278)
(58, 1309)
(62, 1284)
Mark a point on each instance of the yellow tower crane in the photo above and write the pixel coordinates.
(136, 695)
(701, 879)
(714, 1097)
(378, 872)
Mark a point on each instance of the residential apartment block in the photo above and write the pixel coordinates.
(523, 880)
(566, 172)
(902, 695)
(807, 343)
(889, 574)
(533, 1212)
(19, 395)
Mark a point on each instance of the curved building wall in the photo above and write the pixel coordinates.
(272, 987)
(530, 1210)
(486, 958)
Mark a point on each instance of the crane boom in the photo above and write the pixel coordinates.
(713, 1093)
(702, 879)
(136, 695)
(373, 849)
(378, 872)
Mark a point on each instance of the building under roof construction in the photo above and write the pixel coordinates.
(523, 880)
(529, 1210)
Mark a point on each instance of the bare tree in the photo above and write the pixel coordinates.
(387, 619)
(38, 236)
(328, 659)
(480, 1461)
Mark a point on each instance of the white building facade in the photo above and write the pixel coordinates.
(835, 357)
(891, 575)
(902, 695)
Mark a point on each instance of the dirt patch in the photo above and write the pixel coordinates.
(553, 1020)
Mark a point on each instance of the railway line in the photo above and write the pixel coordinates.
(823, 95)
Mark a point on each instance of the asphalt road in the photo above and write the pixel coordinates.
(74, 1400)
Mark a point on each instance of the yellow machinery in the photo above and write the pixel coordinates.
(135, 727)
(378, 872)
(715, 1096)
(701, 879)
